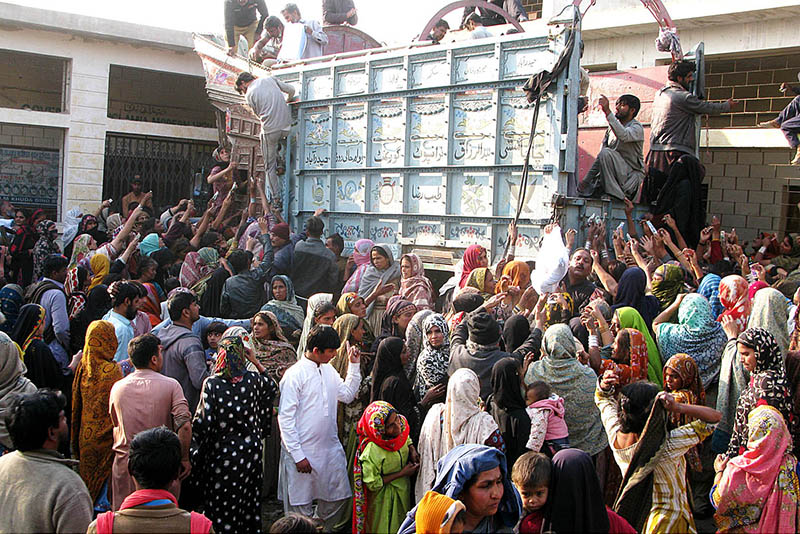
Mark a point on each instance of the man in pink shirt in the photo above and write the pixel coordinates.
(146, 399)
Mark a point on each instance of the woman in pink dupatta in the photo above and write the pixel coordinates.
(361, 257)
(758, 490)
(414, 285)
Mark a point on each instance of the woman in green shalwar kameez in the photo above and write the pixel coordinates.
(385, 461)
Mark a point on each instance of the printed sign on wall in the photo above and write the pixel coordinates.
(29, 176)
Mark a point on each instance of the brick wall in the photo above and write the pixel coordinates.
(533, 7)
(19, 135)
(752, 190)
(754, 81)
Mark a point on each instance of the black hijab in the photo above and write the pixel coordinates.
(575, 503)
(631, 292)
(515, 332)
(98, 302)
(390, 383)
(507, 407)
(387, 364)
(27, 321)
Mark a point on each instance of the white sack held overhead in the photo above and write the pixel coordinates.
(71, 220)
(551, 262)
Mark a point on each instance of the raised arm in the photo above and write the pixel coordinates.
(226, 204)
(605, 278)
(202, 227)
(668, 313)
(103, 205)
(116, 244)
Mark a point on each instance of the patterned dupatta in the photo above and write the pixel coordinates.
(370, 428)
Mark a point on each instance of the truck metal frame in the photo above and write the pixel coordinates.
(422, 147)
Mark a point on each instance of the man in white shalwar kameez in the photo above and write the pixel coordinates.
(313, 464)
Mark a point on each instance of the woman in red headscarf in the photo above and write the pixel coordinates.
(384, 463)
(474, 257)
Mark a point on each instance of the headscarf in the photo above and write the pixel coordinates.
(25, 236)
(288, 312)
(413, 340)
(515, 331)
(518, 274)
(575, 383)
(734, 299)
(362, 259)
(768, 385)
(231, 363)
(344, 326)
(462, 464)
(100, 265)
(558, 313)
(417, 288)
(275, 354)
(470, 261)
(372, 276)
(709, 288)
(630, 318)
(149, 244)
(769, 311)
(686, 367)
(45, 245)
(113, 222)
(395, 307)
(387, 364)
(12, 382)
(758, 491)
(370, 429)
(671, 283)
(313, 303)
(210, 260)
(343, 304)
(76, 298)
(193, 269)
(436, 513)
(457, 421)
(92, 429)
(697, 334)
(575, 502)
(755, 287)
(507, 406)
(432, 363)
(631, 293)
(638, 362)
(477, 279)
(80, 250)
(31, 317)
(10, 302)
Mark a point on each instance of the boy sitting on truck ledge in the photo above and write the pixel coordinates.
(618, 170)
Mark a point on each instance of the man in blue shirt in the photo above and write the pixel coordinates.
(122, 315)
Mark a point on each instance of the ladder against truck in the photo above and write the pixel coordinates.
(422, 147)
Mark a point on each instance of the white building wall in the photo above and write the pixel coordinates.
(85, 123)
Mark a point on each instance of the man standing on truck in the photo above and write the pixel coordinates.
(265, 98)
(618, 170)
(315, 37)
(674, 174)
(241, 19)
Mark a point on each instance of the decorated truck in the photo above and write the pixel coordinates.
(423, 147)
